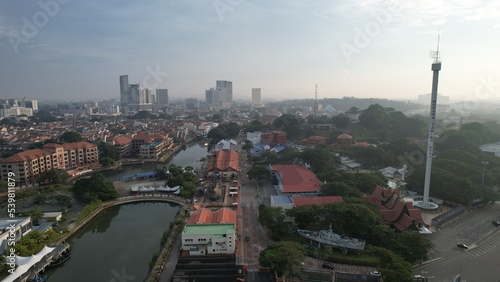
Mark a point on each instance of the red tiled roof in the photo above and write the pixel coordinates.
(52, 145)
(394, 211)
(224, 160)
(297, 179)
(122, 140)
(26, 156)
(344, 136)
(78, 145)
(303, 201)
(206, 216)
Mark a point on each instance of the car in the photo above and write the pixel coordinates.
(328, 265)
(463, 246)
(496, 223)
(247, 238)
(374, 273)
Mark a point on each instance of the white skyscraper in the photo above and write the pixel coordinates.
(256, 97)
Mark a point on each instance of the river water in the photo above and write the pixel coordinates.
(119, 243)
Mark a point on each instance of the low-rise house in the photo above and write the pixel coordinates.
(224, 162)
(396, 213)
(295, 179)
(207, 239)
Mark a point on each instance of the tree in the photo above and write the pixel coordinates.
(70, 137)
(39, 199)
(392, 266)
(35, 214)
(411, 246)
(54, 176)
(254, 125)
(95, 187)
(258, 173)
(341, 120)
(106, 161)
(274, 219)
(291, 125)
(248, 145)
(340, 189)
(285, 257)
(217, 118)
(107, 151)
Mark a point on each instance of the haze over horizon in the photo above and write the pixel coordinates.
(63, 49)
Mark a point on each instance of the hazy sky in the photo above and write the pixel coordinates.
(68, 49)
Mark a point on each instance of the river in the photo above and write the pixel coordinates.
(119, 243)
(189, 157)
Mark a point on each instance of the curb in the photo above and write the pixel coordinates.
(427, 262)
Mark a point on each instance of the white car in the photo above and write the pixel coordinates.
(374, 273)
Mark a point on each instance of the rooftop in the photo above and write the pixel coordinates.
(206, 216)
(212, 229)
(297, 179)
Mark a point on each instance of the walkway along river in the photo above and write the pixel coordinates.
(119, 242)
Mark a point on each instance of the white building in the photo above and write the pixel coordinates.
(254, 137)
(256, 97)
(206, 239)
(21, 227)
(16, 111)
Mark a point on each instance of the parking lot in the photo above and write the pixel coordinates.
(477, 262)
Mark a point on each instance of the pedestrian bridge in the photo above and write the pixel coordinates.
(147, 198)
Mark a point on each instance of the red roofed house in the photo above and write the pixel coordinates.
(295, 179)
(27, 166)
(395, 212)
(206, 216)
(225, 162)
(345, 139)
(273, 138)
(122, 144)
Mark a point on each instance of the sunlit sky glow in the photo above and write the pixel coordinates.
(365, 48)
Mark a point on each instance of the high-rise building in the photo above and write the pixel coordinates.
(162, 96)
(124, 90)
(148, 96)
(226, 90)
(256, 97)
(222, 94)
(212, 97)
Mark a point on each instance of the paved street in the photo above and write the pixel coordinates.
(480, 262)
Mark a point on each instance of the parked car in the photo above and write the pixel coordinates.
(374, 273)
(328, 265)
(463, 246)
(496, 223)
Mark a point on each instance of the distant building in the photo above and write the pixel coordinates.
(192, 103)
(16, 111)
(254, 137)
(162, 96)
(274, 138)
(221, 95)
(133, 97)
(256, 98)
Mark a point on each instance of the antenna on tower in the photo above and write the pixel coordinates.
(435, 54)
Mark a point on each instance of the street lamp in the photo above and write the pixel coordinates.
(484, 163)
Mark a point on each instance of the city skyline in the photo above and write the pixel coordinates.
(61, 49)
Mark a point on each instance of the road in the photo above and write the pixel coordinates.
(480, 262)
